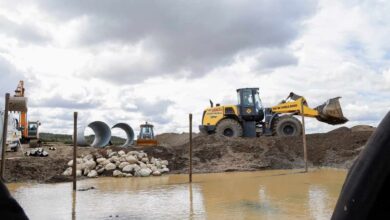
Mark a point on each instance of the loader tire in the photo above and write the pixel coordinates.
(229, 127)
(287, 126)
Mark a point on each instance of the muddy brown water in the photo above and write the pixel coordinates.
(277, 194)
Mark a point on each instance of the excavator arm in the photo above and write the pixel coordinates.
(330, 112)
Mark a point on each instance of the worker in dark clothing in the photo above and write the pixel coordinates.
(9, 207)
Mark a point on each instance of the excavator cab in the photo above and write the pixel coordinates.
(33, 133)
(33, 129)
(146, 135)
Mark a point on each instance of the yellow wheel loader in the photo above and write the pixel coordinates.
(250, 119)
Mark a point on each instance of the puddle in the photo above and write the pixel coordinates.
(278, 194)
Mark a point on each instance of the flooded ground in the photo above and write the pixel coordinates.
(279, 194)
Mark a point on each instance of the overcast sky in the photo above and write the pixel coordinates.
(132, 61)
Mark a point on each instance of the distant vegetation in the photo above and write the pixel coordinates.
(67, 139)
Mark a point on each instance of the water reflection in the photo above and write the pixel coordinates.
(191, 202)
(73, 205)
(319, 202)
(248, 195)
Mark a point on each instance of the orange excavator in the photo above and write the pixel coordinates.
(30, 134)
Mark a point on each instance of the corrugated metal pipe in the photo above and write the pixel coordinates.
(129, 133)
(102, 133)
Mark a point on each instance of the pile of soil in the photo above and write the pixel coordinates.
(21, 168)
(215, 153)
(211, 153)
(174, 139)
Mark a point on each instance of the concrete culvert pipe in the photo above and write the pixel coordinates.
(129, 133)
(101, 131)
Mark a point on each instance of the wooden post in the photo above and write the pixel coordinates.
(304, 136)
(74, 150)
(4, 140)
(190, 174)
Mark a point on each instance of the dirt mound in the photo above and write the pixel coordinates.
(25, 169)
(19, 167)
(340, 130)
(215, 153)
(211, 153)
(362, 128)
(174, 139)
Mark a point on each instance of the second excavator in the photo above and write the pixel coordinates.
(30, 129)
(250, 119)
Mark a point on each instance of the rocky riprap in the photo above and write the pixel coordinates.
(118, 164)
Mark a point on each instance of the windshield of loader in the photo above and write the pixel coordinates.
(250, 97)
(247, 99)
(147, 132)
(258, 104)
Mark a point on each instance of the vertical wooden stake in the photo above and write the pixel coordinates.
(190, 174)
(4, 140)
(74, 150)
(304, 136)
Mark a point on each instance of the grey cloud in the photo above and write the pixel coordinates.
(62, 119)
(24, 33)
(9, 78)
(60, 102)
(274, 59)
(152, 108)
(124, 73)
(161, 119)
(193, 36)
(155, 111)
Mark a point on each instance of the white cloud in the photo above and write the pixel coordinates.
(99, 60)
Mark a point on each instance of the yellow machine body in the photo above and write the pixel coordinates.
(215, 114)
(295, 107)
(249, 116)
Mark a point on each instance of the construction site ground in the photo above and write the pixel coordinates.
(212, 153)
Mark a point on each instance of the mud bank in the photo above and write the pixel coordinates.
(212, 153)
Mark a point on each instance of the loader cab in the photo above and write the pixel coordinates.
(146, 131)
(146, 136)
(250, 105)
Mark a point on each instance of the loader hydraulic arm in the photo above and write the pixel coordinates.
(295, 107)
(330, 112)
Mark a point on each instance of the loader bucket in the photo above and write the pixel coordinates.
(330, 112)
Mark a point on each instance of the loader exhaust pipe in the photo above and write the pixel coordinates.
(330, 112)
(129, 133)
(101, 131)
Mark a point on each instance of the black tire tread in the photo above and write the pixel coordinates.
(233, 124)
(284, 119)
